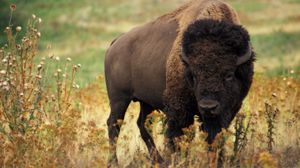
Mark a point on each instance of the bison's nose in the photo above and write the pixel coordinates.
(209, 106)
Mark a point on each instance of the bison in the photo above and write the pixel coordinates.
(196, 60)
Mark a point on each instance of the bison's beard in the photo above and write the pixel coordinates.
(212, 127)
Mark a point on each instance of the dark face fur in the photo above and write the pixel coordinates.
(210, 53)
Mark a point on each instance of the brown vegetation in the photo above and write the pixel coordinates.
(48, 124)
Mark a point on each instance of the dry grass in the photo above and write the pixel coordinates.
(264, 133)
(46, 122)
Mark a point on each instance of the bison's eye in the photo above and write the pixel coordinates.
(190, 78)
(229, 76)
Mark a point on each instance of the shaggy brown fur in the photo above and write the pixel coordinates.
(195, 10)
(211, 49)
(175, 93)
(146, 65)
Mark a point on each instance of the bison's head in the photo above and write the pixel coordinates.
(219, 67)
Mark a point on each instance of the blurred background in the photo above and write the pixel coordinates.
(83, 29)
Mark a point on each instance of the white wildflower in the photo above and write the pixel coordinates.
(39, 66)
(3, 72)
(18, 28)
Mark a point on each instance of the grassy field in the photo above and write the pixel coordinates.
(83, 30)
(76, 136)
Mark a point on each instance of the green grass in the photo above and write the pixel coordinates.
(249, 6)
(284, 72)
(81, 29)
(91, 67)
(293, 1)
(277, 44)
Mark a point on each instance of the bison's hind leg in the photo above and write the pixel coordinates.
(118, 109)
(145, 111)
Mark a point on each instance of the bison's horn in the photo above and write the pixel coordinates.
(246, 56)
(184, 57)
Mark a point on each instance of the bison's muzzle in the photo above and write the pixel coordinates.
(209, 107)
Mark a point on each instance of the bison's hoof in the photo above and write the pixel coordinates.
(112, 162)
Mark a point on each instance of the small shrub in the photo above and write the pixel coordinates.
(271, 115)
(38, 125)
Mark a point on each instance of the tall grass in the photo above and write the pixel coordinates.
(47, 121)
(37, 120)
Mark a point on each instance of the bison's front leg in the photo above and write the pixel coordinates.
(154, 154)
(175, 125)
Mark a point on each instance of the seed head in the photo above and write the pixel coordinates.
(51, 56)
(18, 29)
(18, 46)
(59, 70)
(5, 83)
(39, 76)
(26, 86)
(69, 59)
(38, 34)
(75, 86)
(57, 58)
(7, 29)
(2, 72)
(33, 16)
(6, 88)
(53, 97)
(13, 7)
(39, 67)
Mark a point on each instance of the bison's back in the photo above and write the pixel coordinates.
(135, 64)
